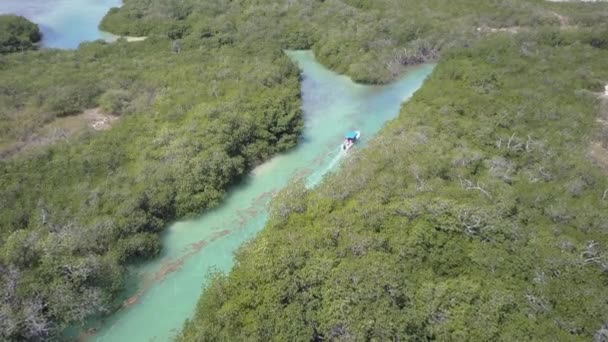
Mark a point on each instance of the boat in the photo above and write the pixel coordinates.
(349, 139)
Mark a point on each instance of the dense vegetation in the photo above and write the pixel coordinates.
(210, 94)
(371, 41)
(477, 215)
(17, 34)
(74, 213)
(482, 217)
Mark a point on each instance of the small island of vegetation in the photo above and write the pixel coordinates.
(17, 34)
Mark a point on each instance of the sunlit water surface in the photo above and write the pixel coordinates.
(164, 291)
(64, 23)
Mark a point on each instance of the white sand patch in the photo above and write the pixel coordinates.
(135, 39)
(127, 38)
(98, 120)
(111, 38)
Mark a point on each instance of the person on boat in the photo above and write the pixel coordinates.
(347, 143)
(349, 139)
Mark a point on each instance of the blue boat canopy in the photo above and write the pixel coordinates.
(351, 135)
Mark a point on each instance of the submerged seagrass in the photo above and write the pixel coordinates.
(476, 215)
(331, 105)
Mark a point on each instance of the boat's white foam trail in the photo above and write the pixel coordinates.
(316, 177)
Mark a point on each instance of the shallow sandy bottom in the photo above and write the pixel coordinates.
(164, 290)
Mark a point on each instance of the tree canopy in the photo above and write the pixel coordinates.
(476, 215)
(479, 208)
(17, 34)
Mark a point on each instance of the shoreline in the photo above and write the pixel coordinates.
(110, 37)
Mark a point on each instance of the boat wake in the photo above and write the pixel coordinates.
(315, 178)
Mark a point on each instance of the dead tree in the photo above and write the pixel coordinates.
(471, 223)
(37, 325)
(591, 254)
(601, 335)
(537, 303)
(469, 185)
(512, 141)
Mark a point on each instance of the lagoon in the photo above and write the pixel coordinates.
(64, 23)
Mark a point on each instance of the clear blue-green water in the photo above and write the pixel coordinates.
(64, 23)
(165, 291)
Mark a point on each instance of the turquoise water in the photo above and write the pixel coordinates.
(165, 290)
(64, 23)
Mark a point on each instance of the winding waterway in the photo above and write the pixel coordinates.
(164, 291)
(64, 23)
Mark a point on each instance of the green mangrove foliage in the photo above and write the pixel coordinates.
(75, 212)
(372, 41)
(476, 215)
(17, 34)
(210, 94)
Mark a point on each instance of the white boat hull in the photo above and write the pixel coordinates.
(346, 146)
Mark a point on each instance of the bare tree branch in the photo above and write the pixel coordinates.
(510, 141)
(468, 185)
(471, 222)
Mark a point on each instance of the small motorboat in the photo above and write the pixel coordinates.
(349, 139)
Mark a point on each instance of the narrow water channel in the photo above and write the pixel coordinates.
(164, 291)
